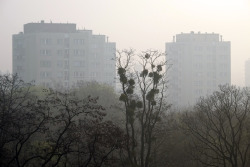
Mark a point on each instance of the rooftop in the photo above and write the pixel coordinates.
(49, 27)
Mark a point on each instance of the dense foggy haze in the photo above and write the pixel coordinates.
(140, 24)
(137, 83)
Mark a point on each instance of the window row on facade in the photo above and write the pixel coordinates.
(60, 41)
(76, 74)
(76, 63)
(181, 49)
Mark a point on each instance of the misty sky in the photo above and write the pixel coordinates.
(138, 24)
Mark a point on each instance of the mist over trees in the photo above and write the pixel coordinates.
(53, 128)
(143, 95)
(219, 128)
(92, 125)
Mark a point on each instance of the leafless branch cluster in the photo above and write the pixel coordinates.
(143, 95)
(51, 128)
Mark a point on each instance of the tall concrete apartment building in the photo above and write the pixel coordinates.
(199, 64)
(247, 73)
(56, 54)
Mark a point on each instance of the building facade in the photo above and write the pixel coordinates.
(56, 54)
(199, 64)
(247, 73)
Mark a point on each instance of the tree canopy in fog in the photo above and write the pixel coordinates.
(144, 99)
(219, 128)
(54, 129)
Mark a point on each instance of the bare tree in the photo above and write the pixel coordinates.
(97, 144)
(20, 119)
(49, 130)
(143, 96)
(219, 126)
(78, 130)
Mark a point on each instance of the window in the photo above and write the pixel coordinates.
(198, 48)
(109, 74)
(78, 52)
(94, 46)
(95, 56)
(93, 74)
(44, 52)
(19, 68)
(60, 64)
(78, 74)
(79, 82)
(66, 75)
(112, 49)
(198, 83)
(45, 41)
(79, 64)
(198, 65)
(223, 74)
(59, 41)
(225, 66)
(66, 51)
(19, 57)
(66, 64)
(45, 84)
(45, 74)
(75, 74)
(66, 84)
(81, 74)
(59, 74)
(199, 74)
(78, 41)
(45, 64)
(198, 91)
(59, 52)
(95, 64)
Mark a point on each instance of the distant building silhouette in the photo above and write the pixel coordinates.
(57, 54)
(247, 73)
(200, 62)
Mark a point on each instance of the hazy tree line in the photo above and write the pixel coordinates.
(41, 127)
(92, 125)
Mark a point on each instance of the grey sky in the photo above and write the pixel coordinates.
(140, 24)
